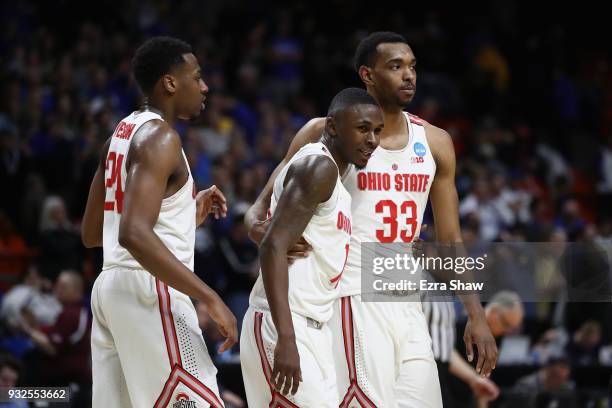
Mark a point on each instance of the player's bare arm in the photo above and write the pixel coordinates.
(297, 204)
(93, 219)
(255, 218)
(445, 206)
(155, 170)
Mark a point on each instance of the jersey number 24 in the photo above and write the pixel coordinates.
(113, 165)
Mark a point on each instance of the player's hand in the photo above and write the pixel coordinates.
(417, 243)
(286, 367)
(301, 249)
(209, 201)
(226, 322)
(484, 388)
(477, 332)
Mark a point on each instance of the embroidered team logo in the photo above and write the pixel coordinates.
(182, 401)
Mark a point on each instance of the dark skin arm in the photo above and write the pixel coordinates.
(93, 219)
(295, 208)
(445, 206)
(154, 159)
(208, 201)
(255, 218)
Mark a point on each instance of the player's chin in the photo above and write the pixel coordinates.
(360, 164)
(404, 102)
(196, 114)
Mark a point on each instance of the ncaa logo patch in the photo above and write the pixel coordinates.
(419, 149)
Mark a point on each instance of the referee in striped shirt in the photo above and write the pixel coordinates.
(440, 316)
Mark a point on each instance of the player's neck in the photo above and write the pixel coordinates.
(335, 153)
(165, 112)
(395, 122)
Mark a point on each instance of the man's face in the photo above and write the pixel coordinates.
(555, 376)
(8, 377)
(191, 89)
(357, 130)
(394, 74)
(504, 321)
(66, 290)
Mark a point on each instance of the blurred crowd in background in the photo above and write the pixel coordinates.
(527, 101)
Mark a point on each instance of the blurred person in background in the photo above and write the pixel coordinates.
(59, 242)
(549, 386)
(505, 313)
(10, 376)
(65, 344)
(31, 295)
(583, 348)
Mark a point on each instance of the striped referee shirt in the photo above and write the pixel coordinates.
(441, 321)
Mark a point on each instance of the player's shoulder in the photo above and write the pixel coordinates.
(439, 141)
(315, 175)
(156, 134)
(318, 167)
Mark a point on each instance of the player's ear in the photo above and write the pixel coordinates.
(169, 83)
(365, 73)
(330, 126)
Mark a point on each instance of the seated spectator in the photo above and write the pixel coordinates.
(30, 296)
(550, 386)
(10, 373)
(66, 343)
(60, 243)
(584, 347)
(479, 205)
(551, 343)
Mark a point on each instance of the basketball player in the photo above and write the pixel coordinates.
(285, 338)
(147, 348)
(386, 348)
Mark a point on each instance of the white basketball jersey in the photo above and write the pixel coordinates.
(175, 224)
(389, 198)
(313, 280)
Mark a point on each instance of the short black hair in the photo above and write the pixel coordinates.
(366, 50)
(156, 57)
(349, 97)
